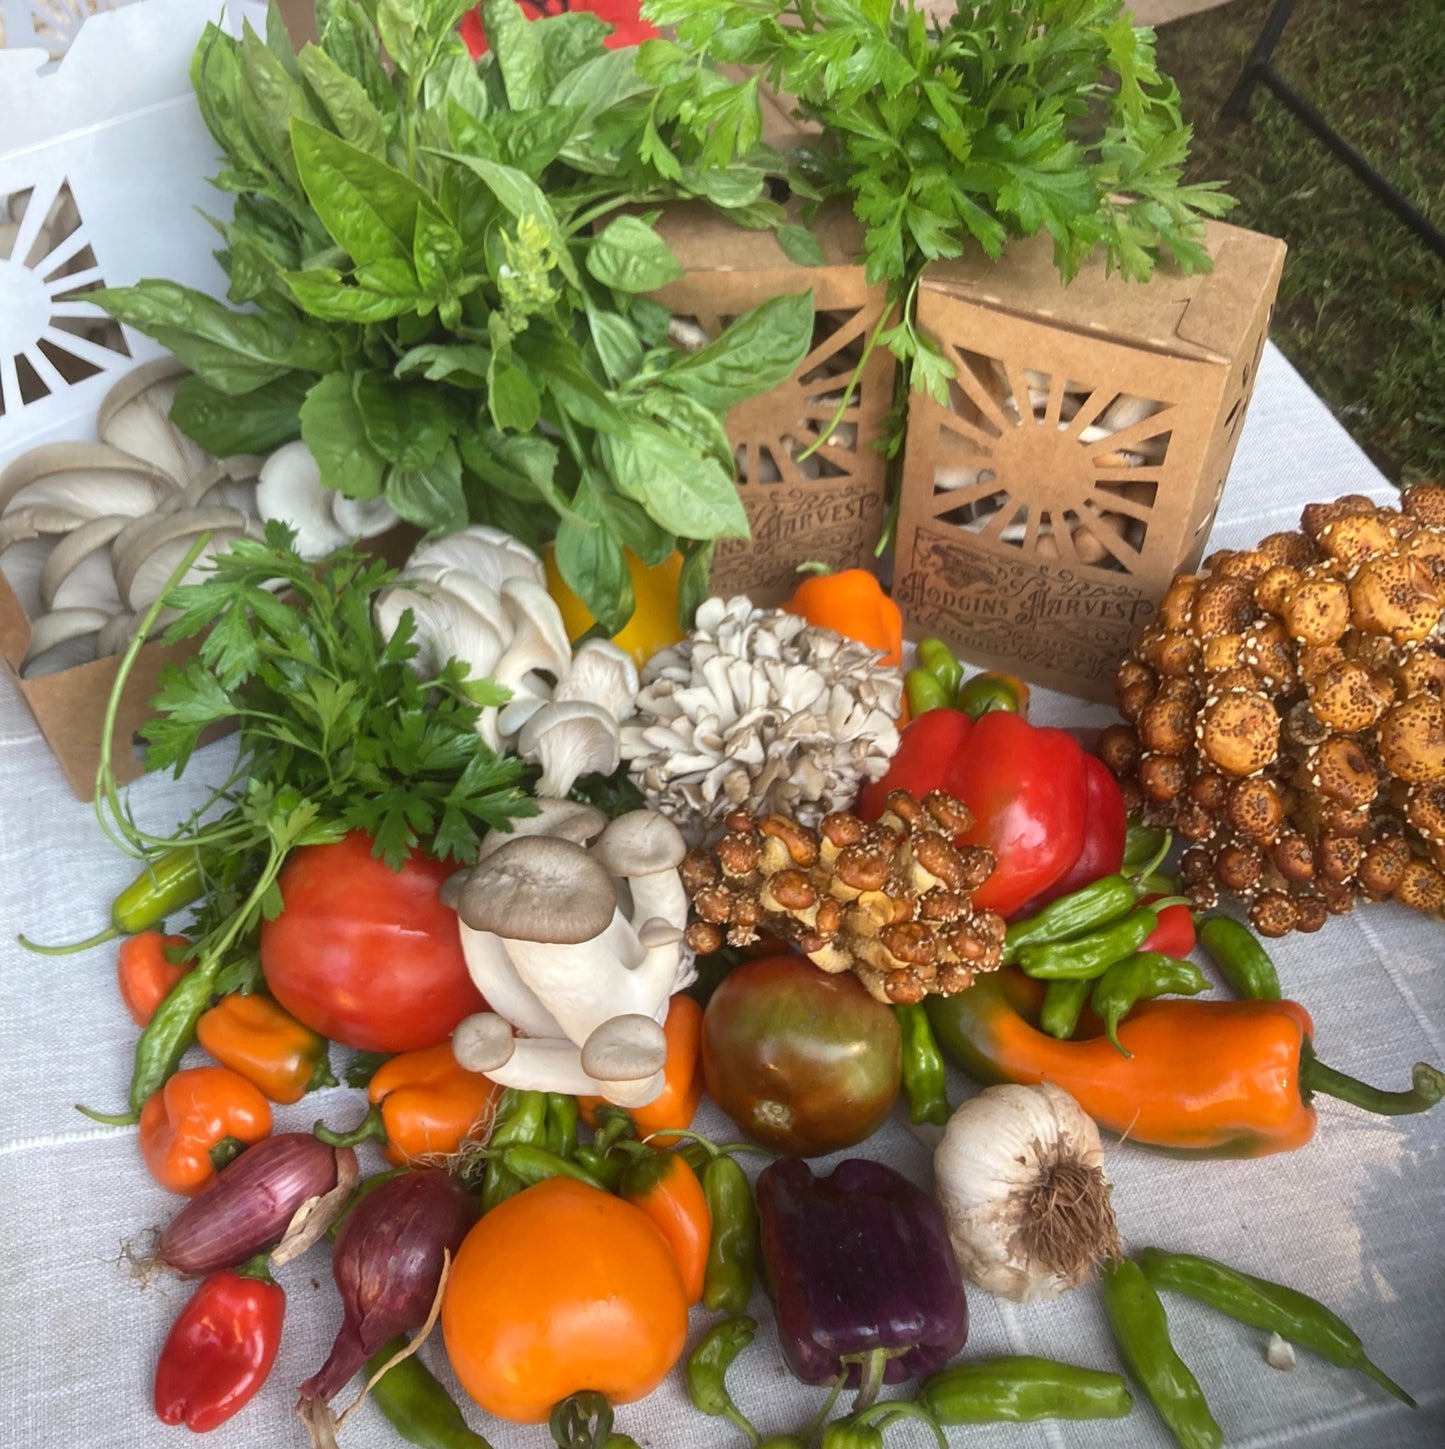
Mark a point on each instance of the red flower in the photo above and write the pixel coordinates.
(628, 27)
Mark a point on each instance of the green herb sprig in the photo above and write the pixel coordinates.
(441, 299)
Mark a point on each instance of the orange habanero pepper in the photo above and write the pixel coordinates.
(666, 1188)
(676, 1105)
(852, 603)
(145, 974)
(1216, 1078)
(262, 1041)
(190, 1127)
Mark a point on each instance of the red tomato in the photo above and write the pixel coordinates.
(803, 1061)
(1175, 934)
(366, 955)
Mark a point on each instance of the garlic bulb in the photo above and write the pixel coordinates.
(1020, 1177)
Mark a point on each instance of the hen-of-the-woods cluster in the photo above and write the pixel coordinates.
(1286, 715)
(757, 709)
(890, 900)
(480, 596)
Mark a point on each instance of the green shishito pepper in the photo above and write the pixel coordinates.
(416, 1404)
(924, 1074)
(520, 1121)
(1085, 957)
(1022, 1389)
(732, 1255)
(1137, 978)
(1087, 909)
(1242, 961)
(1062, 1006)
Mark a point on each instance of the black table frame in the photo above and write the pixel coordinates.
(1258, 71)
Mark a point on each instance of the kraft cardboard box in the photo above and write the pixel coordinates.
(1082, 456)
(829, 506)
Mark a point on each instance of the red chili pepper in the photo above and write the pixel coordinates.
(220, 1348)
(1174, 935)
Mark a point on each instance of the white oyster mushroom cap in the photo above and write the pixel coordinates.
(645, 848)
(569, 740)
(445, 628)
(539, 642)
(487, 554)
(601, 674)
(85, 478)
(362, 517)
(289, 489)
(466, 587)
(135, 417)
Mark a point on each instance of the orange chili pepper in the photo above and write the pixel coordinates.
(666, 1188)
(853, 604)
(676, 1105)
(189, 1128)
(144, 973)
(1213, 1078)
(262, 1041)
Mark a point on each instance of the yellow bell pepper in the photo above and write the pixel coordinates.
(653, 625)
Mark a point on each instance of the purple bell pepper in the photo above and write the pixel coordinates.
(861, 1273)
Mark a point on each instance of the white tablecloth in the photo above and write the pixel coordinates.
(1355, 1218)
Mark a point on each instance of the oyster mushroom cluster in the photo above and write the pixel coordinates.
(889, 900)
(1286, 715)
(757, 709)
(480, 596)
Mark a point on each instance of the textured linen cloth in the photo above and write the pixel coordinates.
(1354, 1218)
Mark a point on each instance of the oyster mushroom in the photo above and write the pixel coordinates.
(289, 489)
(134, 416)
(569, 740)
(86, 478)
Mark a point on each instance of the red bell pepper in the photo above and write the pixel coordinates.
(1106, 828)
(220, 1348)
(1027, 788)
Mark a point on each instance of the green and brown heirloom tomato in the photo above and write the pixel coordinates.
(804, 1062)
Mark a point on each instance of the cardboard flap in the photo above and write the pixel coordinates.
(1221, 310)
(15, 627)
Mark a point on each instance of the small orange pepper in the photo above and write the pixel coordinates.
(262, 1041)
(675, 1107)
(852, 603)
(666, 1188)
(429, 1105)
(187, 1128)
(145, 974)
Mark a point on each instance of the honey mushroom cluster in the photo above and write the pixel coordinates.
(1286, 715)
(890, 900)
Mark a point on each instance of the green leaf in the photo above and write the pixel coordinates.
(437, 252)
(569, 40)
(513, 401)
(462, 364)
(761, 349)
(409, 424)
(630, 256)
(618, 347)
(270, 100)
(517, 50)
(529, 141)
(325, 294)
(522, 465)
(693, 583)
(801, 246)
(332, 425)
(690, 496)
(430, 497)
(346, 101)
(557, 359)
(591, 561)
(256, 422)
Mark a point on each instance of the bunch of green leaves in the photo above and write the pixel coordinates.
(430, 297)
(1014, 116)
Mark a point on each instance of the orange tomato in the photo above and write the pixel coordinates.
(559, 1289)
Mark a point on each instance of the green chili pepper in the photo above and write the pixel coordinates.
(707, 1369)
(168, 884)
(1082, 910)
(990, 691)
(606, 1167)
(1141, 978)
(732, 1255)
(940, 661)
(1141, 1331)
(521, 1120)
(863, 1429)
(1088, 956)
(924, 692)
(416, 1404)
(1303, 1320)
(1021, 1389)
(1241, 959)
(924, 1075)
(562, 1116)
(530, 1164)
(846, 1434)
(1063, 1005)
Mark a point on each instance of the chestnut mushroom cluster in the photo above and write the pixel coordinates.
(890, 900)
(1286, 715)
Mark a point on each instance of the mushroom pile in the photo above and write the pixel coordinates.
(480, 596)
(757, 709)
(572, 927)
(1286, 715)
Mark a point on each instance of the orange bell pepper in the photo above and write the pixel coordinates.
(262, 1041)
(666, 1188)
(145, 973)
(675, 1107)
(852, 603)
(1214, 1078)
(423, 1106)
(192, 1126)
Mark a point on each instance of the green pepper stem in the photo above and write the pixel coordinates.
(1315, 1076)
(99, 939)
(371, 1128)
(891, 1411)
(109, 1119)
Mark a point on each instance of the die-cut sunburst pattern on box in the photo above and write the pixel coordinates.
(52, 337)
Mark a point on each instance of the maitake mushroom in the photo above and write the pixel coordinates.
(757, 709)
(1286, 715)
(890, 901)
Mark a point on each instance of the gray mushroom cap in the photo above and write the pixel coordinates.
(539, 888)
(641, 842)
(566, 819)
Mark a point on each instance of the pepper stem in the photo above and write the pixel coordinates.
(258, 1268)
(1315, 1076)
(99, 939)
(371, 1128)
(109, 1119)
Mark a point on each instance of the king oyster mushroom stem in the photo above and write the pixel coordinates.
(484, 1043)
(289, 489)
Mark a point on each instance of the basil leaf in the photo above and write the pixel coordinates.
(592, 563)
(732, 189)
(409, 424)
(520, 464)
(368, 207)
(618, 348)
(347, 36)
(569, 40)
(437, 252)
(696, 426)
(630, 256)
(517, 49)
(512, 400)
(323, 293)
(801, 246)
(692, 497)
(651, 319)
(430, 497)
(351, 110)
(332, 426)
(462, 364)
(216, 78)
(256, 422)
(629, 521)
(530, 141)
(557, 360)
(762, 348)
(270, 100)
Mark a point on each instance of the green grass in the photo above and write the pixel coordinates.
(1361, 308)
